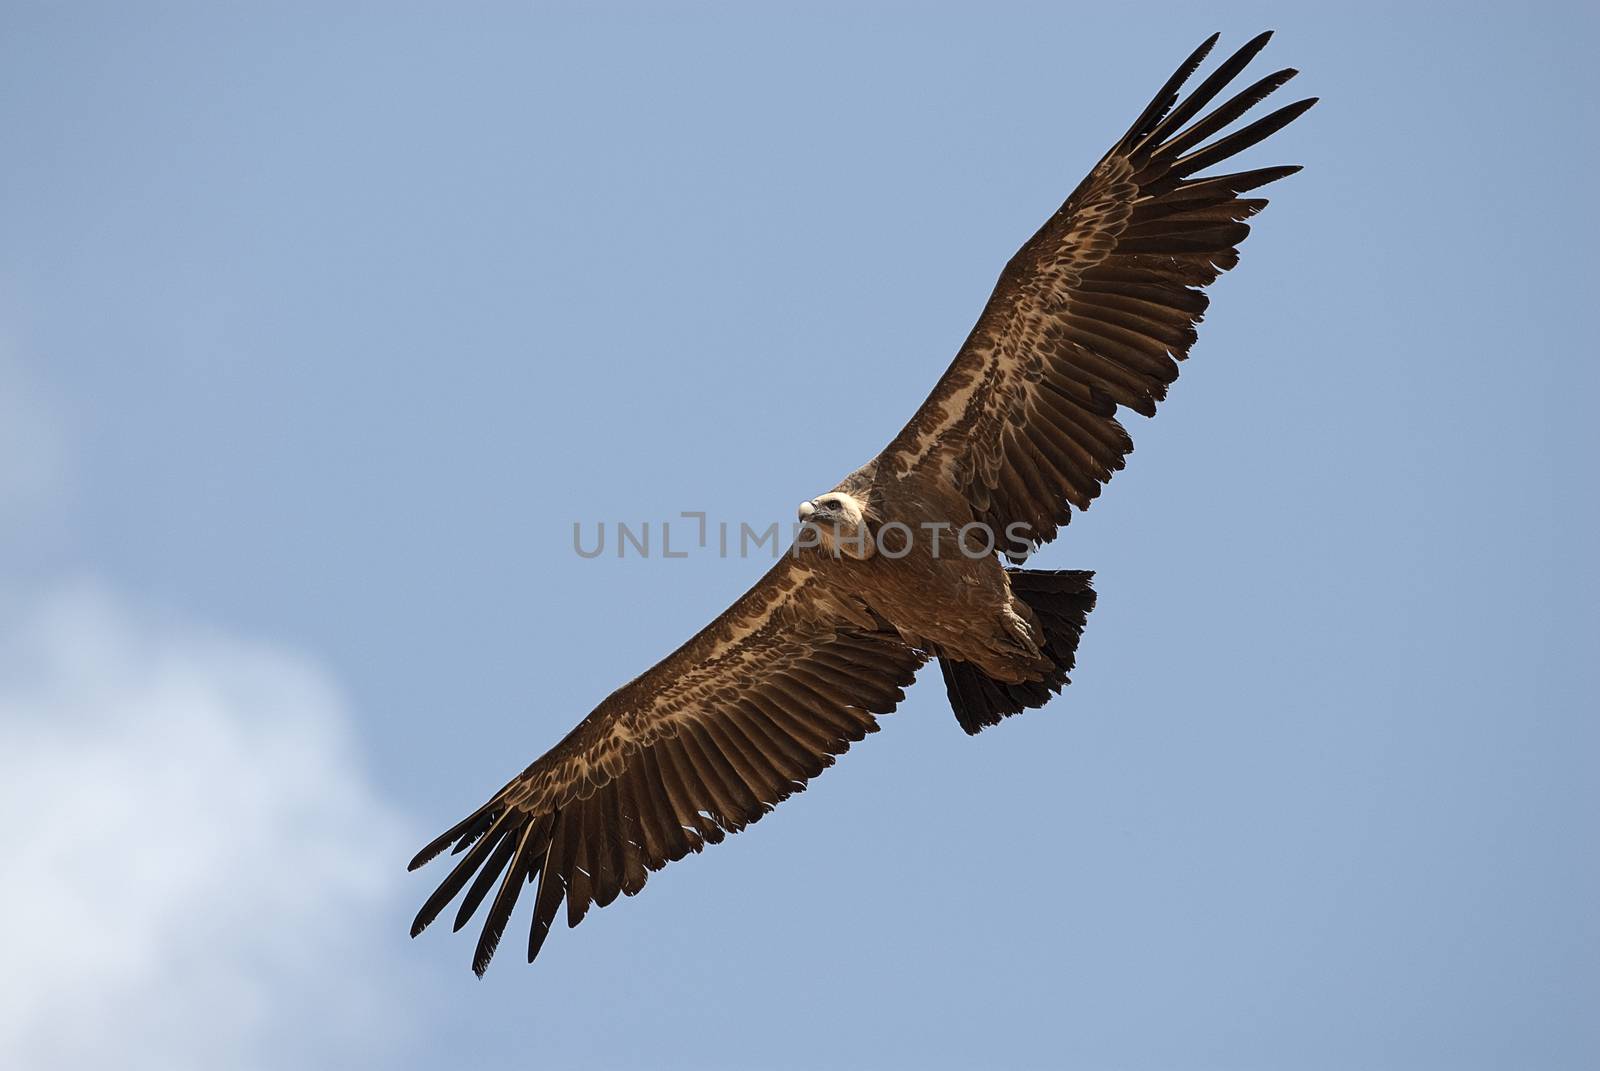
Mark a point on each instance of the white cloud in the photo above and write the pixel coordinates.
(197, 871)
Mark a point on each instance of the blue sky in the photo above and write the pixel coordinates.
(321, 325)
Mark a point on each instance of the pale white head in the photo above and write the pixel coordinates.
(840, 522)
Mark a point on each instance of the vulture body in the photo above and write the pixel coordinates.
(905, 560)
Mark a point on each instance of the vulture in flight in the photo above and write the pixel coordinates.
(908, 559)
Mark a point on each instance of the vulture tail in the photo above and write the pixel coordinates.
(1061, 600)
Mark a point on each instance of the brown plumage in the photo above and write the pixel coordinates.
(1092, 313)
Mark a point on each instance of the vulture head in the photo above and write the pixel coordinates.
(839, 521)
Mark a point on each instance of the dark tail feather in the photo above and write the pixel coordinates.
(1061, 600)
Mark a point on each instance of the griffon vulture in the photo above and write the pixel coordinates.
(1094, 312)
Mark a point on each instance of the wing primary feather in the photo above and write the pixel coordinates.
(457, 878)
(552, 882)
(504, 901)
(1241, 139)
(1227, 112)
(1221, 187)
(1206, 91)
(466, 830)
(480, 887)
(1167, 95)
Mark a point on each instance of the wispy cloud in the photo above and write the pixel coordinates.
(197, 868)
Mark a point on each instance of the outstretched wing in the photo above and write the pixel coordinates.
(1095, 311)
(710, 739)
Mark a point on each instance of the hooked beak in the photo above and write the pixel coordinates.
(811, 513)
